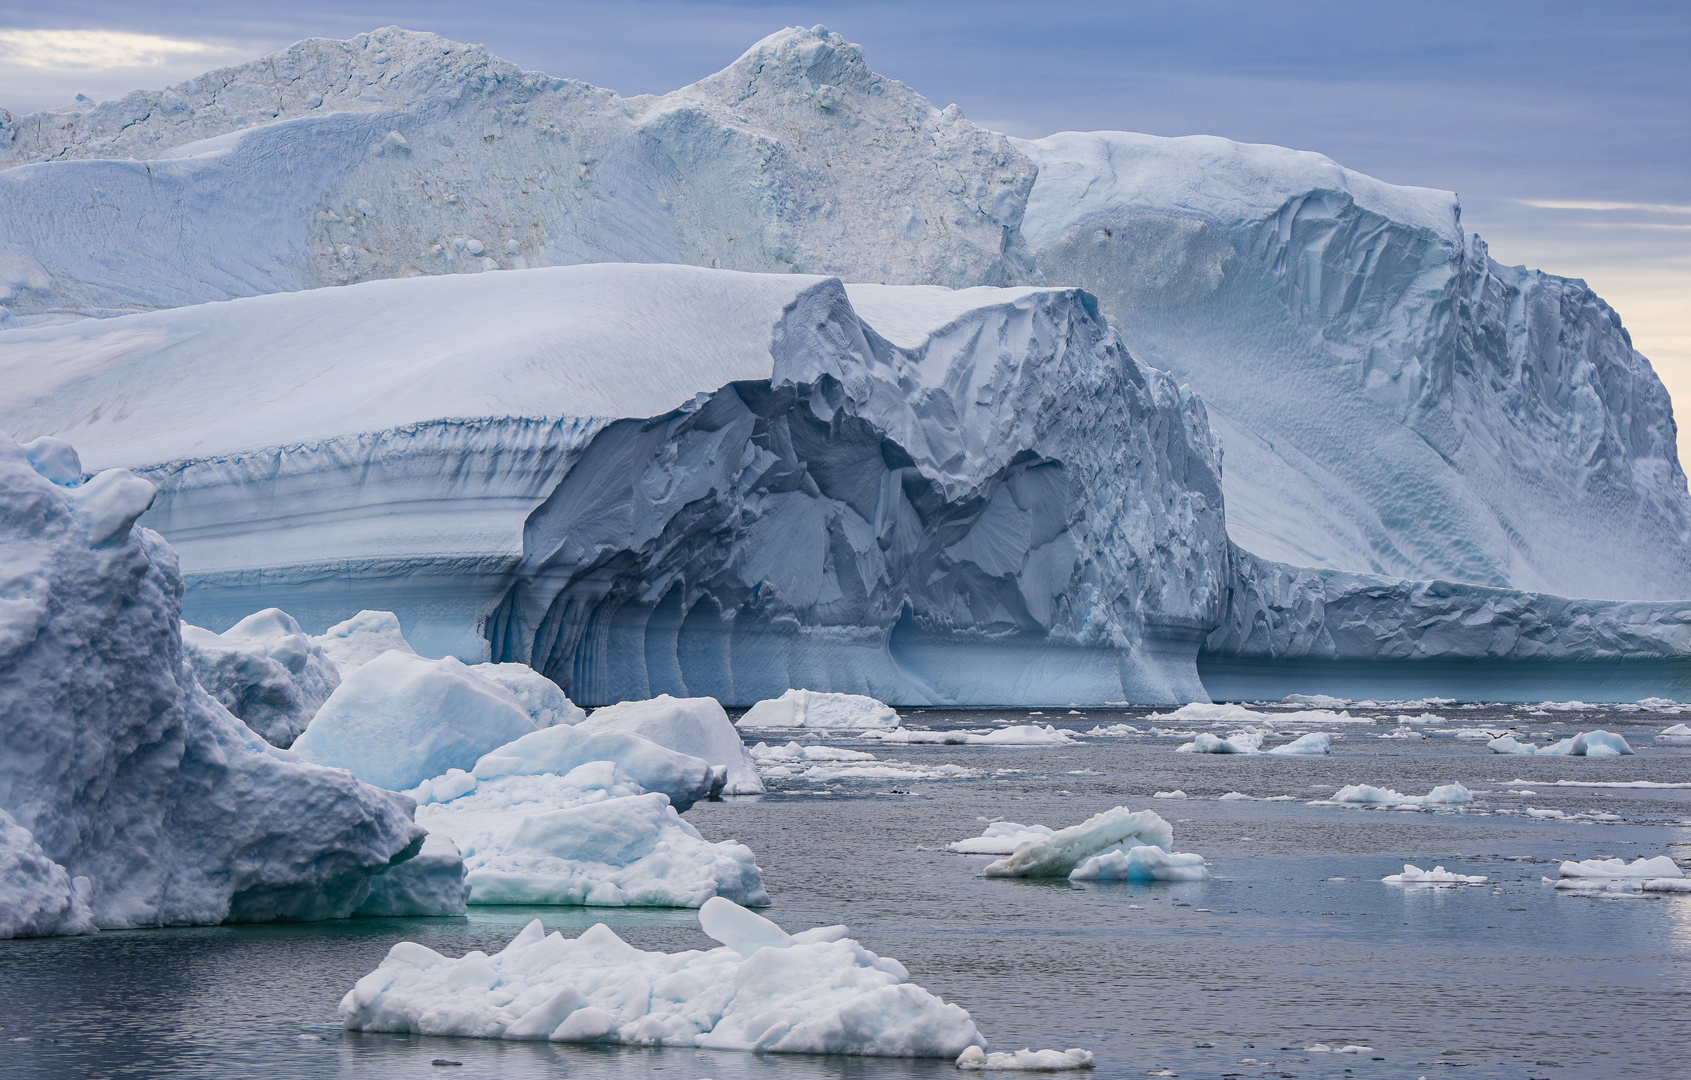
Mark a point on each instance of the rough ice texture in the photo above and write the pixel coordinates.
(990, 502)
(400, 719)
(682, 778)
(408, 153)
(588, 835)
(1142, 863)
(1293, 612)
(539, 696)
(817, 709)
(265, 670)
(352, 643)
(37, 896)
(1014, 735)
(1661, 866)
(1589, 744)
(1058, 854)
(125, 771)
(1513, 436)
(429, 883)
(763, 990)
(975, 1059)
(695, 726)
(1312, 744)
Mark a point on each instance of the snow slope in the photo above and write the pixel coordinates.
(665, 479)
(1391, 399)
(398, 153)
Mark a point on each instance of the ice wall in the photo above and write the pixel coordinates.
(397, 153)
(666, 479)
(161, 807)
(1392, 401)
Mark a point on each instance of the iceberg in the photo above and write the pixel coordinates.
(1000, 838)
(265, 671)
(1438, 875)
(1058, 854)
(1589, 744)
(1508, 744)
(400, 719)
(1661, 866)
(975, 1059)
(695, 726)
(1142, 863)
(761, 990)
(813, 709)
(1311, 744)
(1443, 795)
(159, 806)
(1678, 735)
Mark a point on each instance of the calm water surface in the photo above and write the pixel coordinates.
(1295, 942)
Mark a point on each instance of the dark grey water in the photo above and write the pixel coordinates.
(1295, 942)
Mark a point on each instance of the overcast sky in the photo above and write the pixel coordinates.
(1564, 126)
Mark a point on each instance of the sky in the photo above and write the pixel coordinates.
(1565, 127)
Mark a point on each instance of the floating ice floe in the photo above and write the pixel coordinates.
(1658, 874)
(37, 897)
(400, 719)
(1586, 744)
(764, 754)
(763, 990)
(1114, 731)
(974, 1059)
(1678, 734)
(1323, 1048)
(1142, 863)
(1319, 701)
(1058, 854)
(1313, 744)
(1367, 794)
(825, 764)
(265, 670)
(697, 726)
(1438, 875)
(572, 816)
(1000, 838)
(1641, 784)
(1175, 794)
(814, 709)
(1015, 735)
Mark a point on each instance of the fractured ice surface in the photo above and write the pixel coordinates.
(400, 719)
(813, 709)
(37, 897)
(975, 1059)
(762, 990)
(662, 479)
(161, 807)
(696, 726)
(265, 670)
(429, 883)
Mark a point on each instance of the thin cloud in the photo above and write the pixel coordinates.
(84, 49)
(1575, 204)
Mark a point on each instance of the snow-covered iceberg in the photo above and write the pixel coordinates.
(1000, 838)
(763, 990)
(161, 807)
(400, 719)
(1011, 735)
(695, 726)
(816, 709)
(265, 670)
(718, 484)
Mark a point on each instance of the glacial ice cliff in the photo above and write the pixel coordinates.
(1416, 436)
(1392, 400)
(665, 479)
(160, 806)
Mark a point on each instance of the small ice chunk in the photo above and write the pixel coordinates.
(1659, 867)
(1438, 875)
(1175, 794)
(1142, 863)
(1058, 854)
(1678, 734)
(1508, 744)
(1015, 735)
(1444, 795)
(1237, 796)
(741, 930)
(1000, 838)
(1589, 744)
(974, 1059)
(1313, 744)
(814, 709)
(696, 725)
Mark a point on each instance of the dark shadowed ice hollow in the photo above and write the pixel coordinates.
(1294, 943)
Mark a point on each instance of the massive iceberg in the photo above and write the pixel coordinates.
(665, 479)
(160, 806)
(1428, 453)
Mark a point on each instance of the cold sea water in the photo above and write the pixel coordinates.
(1295, 943)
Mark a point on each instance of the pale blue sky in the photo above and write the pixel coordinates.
(1507, 103)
